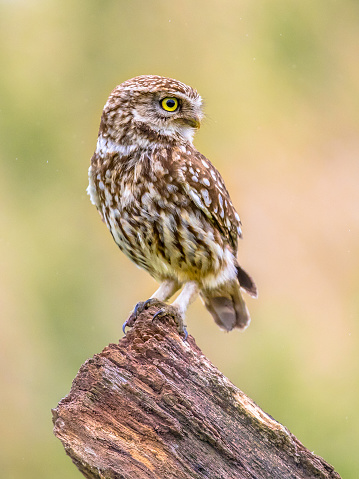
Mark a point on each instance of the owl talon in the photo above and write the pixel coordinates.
(171, 311)
(139, 308)
(124, 327)
(143, 305)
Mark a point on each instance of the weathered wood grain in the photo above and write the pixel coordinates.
(153, 406)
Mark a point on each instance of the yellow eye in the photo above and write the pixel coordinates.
(170, 104)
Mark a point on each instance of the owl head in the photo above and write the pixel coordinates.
(151, 109)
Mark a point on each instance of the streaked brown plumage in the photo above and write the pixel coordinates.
(165, 204)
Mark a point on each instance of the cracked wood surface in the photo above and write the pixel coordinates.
(153, 406)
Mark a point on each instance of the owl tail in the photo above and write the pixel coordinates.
(227, 305)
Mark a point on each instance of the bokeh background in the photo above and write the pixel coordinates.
(280, 82)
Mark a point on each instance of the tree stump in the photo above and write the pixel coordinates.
(153, 406)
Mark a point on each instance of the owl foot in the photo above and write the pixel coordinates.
(143, 305)
(139, 308)
(173, 312)
(166, 310)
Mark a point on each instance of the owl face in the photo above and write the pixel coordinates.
(154, 107)
(170, 112)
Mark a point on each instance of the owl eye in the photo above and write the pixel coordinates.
(170, 104)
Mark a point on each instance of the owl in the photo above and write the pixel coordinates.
(165, 204)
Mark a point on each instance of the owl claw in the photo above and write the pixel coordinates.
(139, 308)
(166, 310)
(143, 305)
(171, 311)
(124, 327)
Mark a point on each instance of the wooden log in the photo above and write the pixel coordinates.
(153, 406)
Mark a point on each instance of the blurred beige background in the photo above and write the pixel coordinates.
(280, 82)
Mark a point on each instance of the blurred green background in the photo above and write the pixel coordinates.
(280, 82)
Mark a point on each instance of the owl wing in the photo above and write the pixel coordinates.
(205, 186)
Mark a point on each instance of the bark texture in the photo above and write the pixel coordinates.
(153, 406)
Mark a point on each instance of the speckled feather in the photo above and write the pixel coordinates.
(190, 191)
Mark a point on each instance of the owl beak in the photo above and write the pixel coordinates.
(194, 122)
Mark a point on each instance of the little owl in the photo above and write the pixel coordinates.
(165, 204)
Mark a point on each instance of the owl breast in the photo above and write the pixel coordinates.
(155, 223)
